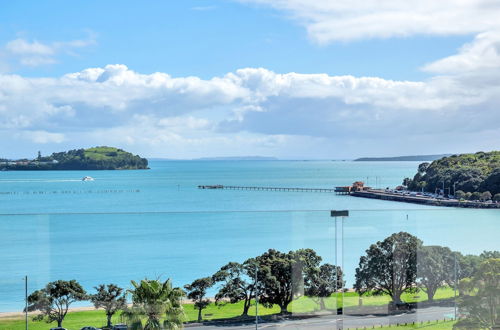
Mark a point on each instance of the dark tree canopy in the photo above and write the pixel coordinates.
(435, 266)
(321, 282)
(197, 292)
(54, 300)
(389, 266)
(111, 298)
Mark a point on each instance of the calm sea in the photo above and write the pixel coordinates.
(156, 223)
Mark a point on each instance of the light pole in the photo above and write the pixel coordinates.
(26, 300)
(340, 311)
(256, 298)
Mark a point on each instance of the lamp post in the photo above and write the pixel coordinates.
(26, 301)
(340, 311)
(256, 298)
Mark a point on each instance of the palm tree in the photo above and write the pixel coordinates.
(152, 300)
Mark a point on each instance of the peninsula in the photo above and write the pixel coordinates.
(98, 158)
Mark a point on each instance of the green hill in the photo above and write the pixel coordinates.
(98, 158)
(479, 172)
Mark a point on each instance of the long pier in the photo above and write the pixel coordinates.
(219, 186)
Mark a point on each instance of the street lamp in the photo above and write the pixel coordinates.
(342, 214)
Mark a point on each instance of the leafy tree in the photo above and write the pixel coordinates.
(407, 182)
(197, 291)
(468, 195)
(422, 168)
(481, 301)
(54, 300)
(496, 198)
(492, 182)
(321, 282)
(152, 299)
(435, 265)
(281, 276)
(476, 195)
(238, 283)
(389, 266)
(468, 265)
(111, 298)
(490, 255)
(486, 196)
(459, 194)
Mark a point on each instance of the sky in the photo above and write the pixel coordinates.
(293, 79)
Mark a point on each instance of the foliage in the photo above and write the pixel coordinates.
(197, 292)
(389, 266)
(321, 282)
(54, 300)
(98, 158)
(435, 266)
(110, 298)
(466, 172)
(481, 303)
(238, 283)
(153, 299)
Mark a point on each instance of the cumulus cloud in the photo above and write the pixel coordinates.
(35, 53)
(258, 111)
(344, 20)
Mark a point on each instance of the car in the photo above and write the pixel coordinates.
(120, 327)
(90, 328)
(58, 328)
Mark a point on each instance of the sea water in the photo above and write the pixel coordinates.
(156, 223)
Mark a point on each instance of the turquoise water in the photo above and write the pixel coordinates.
(156, 223)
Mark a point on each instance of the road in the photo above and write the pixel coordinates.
(349, 321)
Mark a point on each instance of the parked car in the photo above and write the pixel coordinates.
(58, 328)
(120, 327)
(90, 328)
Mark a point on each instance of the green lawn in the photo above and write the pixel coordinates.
(76, 320)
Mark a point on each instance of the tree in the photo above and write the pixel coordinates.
(407, 182)
(321, 282)
(422, 168)
(476, 195)
(281, 276)
(496, 198)
(238, 283)
(435, 265)
(197, 291)
(490, 255)
(492, 182)
(151, 299)
(481, 301)
(459, 194)
(486, 196)
(54, 300)
(389, 266)
(111, 298)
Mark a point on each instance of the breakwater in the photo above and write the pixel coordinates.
(381, 194)
(219, 186)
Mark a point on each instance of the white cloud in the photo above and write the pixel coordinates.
(343, 20)
(257, 111)
(35, 53)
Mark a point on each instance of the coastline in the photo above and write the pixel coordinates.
(382, 195)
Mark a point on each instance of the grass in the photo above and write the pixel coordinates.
(76, 320)
(440, 325)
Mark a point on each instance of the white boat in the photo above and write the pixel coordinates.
(87, 178)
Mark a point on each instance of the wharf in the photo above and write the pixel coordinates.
(297, 189)
(383, 195)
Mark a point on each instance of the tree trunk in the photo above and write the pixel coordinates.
(396, 297)
(284, 308)
(109, 320)
(59, 323)
(430, 294)
(246, 307)
(199, 315)
(322, 304)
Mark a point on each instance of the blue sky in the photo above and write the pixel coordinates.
(226, 84)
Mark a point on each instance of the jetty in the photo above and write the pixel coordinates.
(291, 189)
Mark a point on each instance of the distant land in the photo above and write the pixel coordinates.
(415, 158)
(98, 158)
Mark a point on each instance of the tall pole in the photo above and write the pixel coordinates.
(455, 288)
(256, 299)
(26, 300)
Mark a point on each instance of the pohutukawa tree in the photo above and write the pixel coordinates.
(237, 283)
(197, 292)
(389, 266)
(54, 300)
(321, 282)
(435, 267)
(111, 298)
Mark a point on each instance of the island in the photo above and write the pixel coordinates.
(97, 158)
